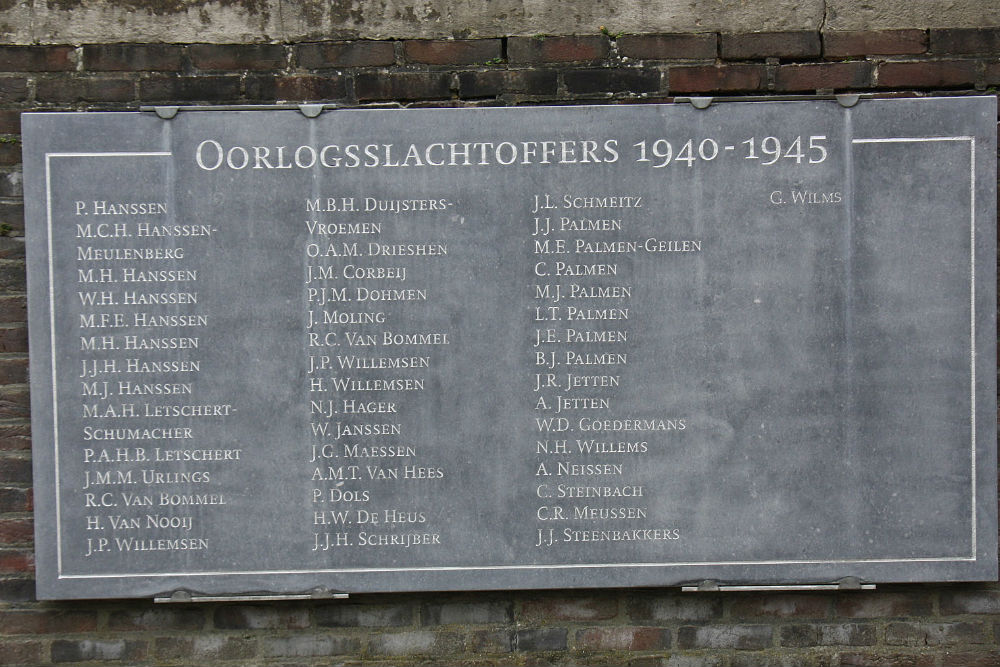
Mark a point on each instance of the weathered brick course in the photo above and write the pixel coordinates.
(133, 57)
(402, 86)
(79, 650)
(540, 50)
(570, 608)
(934, 634)
(725, 636)
(623, 638)
(958, 41)
(674, 607)
(834, 76)
(180, 89)
(452, 51)
(37, 58)
(540, 639)
(259, 617)
(341, 615)
(874, 42)
(493, 83)
(927, 74)
(85, 89)
(15, 469)
(697, 46)
(15, 499)
(360, 53)
(607, 80)
(717, 78)
(237, 56)
(756, 45)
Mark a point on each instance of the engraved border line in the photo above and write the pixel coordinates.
(971, 141)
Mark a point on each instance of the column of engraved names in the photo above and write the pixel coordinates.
(371, 341)
(593, 444)
(150, 475)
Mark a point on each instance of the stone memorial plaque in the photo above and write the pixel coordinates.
(405, 350)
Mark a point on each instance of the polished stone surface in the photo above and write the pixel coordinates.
(513, 348)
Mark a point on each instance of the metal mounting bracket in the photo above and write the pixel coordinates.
(181, 596)
(845, 584)
(307, 110)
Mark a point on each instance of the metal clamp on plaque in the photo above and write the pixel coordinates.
(184, 596)
(511, 348)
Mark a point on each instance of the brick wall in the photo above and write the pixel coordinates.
(896, 625)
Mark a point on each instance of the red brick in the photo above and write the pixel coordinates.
(396, 643)
(934, 634)
(10, 152)
(402, 86)
(14, 437)
(466, 613)
(837, 76)
(12, 215)
(451, 51)
(133, 57)
(491, 641)
(83, 650)
(828, 634)
(13, 89)
(675, 607)
(970, 602)
(988, 658)
(16, 561)
(13, 309)
(716, 78)
(922, 659)
(16, 531)
(10, 121)
(15, 403)
(698, 46)
(623, 639)
(12, 273)
(951, 41)
(297, 88)
(874, 43)
(360, 53)
(743, 637)
(557, 49)
(492, 83)
(11, 247)
(16, 589)
(11, 184)
(936, 73)
(15, 470)
(237, 56)
(22, 653)
(570, 608)
(756, 45)
(341, 615)
(992, 74)
(85, 89)
(15, 500)
(605, 80)
(157, 619)
(781, 606)
(36, 59)
(205, 649)
(540, 639)
(49, 621)
(186, 89)
(254, 617)
(13, 371)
